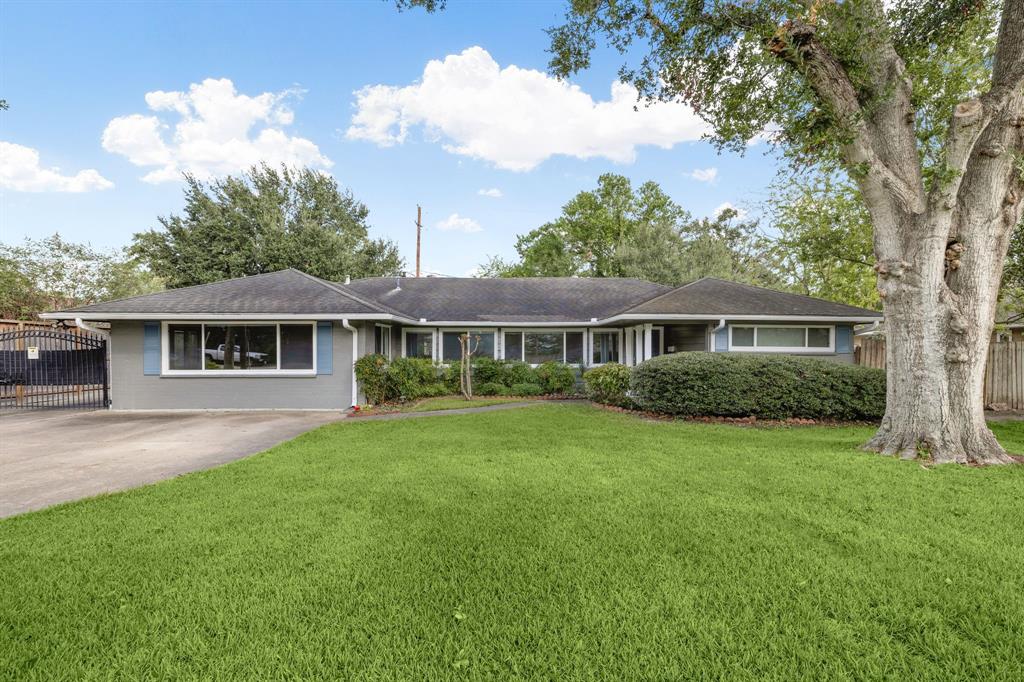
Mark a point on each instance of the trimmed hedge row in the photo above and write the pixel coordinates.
(608, 384)
(413, 378)
(757, 385)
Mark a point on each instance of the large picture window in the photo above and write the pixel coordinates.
(482, 345)
(239, 348)
(604, 347)
(536, 347)
(789, 339)
(418, 344)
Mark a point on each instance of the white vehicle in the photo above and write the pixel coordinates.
(217, 355)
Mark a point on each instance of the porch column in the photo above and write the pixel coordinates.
(629, 334)
(648, 329)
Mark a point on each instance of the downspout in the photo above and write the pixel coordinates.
(714, 332)
(82, 325)
(355, 352)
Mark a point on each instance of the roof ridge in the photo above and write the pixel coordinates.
(671, 290)
(358, 299)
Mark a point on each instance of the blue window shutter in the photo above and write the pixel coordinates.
(324, 348)
(151, 348)
(844, 339)
(722, 340)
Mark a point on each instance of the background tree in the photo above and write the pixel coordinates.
(922, 104)
(614, 231)
(51, 273)
(822, 242)
(267, 219)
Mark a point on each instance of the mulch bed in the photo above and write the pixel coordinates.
(393, 408)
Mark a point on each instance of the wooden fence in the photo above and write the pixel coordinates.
(1004, 373)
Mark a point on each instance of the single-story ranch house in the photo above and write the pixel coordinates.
(288, 340)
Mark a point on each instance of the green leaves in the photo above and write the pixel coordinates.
(268, 219)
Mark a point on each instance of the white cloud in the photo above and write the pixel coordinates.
(20, 171)
(493, 192)
(218, 131)
(516, 118)
(740, 213)
(457, 223)
(704, 174)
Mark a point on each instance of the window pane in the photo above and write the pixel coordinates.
(514, 346)
(296, 346)
(483, 344)
(573, 347)
(451, 349)
(543, 347)
(419, 345)
(655, 343)
(185, 350)
(606, 347)
(818, 337)
(240, 347)
(780, 337)
(378, 340)
(743, 336)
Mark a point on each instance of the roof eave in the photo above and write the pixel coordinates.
(71, 315)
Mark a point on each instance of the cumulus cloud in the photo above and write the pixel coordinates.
(217, 131)
(457, 223)
(493, 192)
(704, 174)
(20, 171)
(740, 213)
(516, 118)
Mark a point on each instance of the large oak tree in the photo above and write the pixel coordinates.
(921, 103)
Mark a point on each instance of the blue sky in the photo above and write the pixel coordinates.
(110, 102)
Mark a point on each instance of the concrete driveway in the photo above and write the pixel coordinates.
(51, 457)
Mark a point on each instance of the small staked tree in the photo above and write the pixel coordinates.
(468, 346)
(920, 103)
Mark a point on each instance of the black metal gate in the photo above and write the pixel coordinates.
(51, 368)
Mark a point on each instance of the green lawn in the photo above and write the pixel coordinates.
(457, 402)
(552, 542)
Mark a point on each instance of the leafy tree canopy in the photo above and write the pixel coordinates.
(48, 274)
(265, 220)
(614, 231)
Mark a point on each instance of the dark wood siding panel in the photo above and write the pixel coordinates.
(686, 337)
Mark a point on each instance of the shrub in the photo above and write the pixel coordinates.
(556, 378)
(407, 376)
(491, 388)
(516, 372)
(765, 386)
(526, 389)
(372, 374)
(608, 384)
(486, 371)
(432, 391)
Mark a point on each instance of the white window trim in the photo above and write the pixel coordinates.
(661, 340)
(386, 334)
(543, 330)
(165, 351)
(590, 338)
(784, 349)
(421, 330)
(440, 343)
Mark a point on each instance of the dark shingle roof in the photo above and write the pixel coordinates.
(514, 300)
(286, 291)
(539, 299)
(718, 297)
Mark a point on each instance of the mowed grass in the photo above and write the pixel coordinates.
(551, 542)
(458, 403)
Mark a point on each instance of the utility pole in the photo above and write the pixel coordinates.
(419, 228)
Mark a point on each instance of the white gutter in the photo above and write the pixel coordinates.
(303, 317)
(355, 352)
(720, 327)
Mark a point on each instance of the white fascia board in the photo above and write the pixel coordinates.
(223, 316)
(741, 318)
